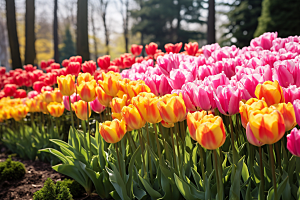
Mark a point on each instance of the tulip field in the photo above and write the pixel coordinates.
(200, 123)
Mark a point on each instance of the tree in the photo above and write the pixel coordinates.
(94, 33)
(211, 30)
(82, 41)
(103, 8)
(124, 10)
(30, 53)
(12, 34)
(68, 48)
(55, 33)
(243, 20)
(167, 21)
(282, 16)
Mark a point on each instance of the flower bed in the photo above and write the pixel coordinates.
(213, 123)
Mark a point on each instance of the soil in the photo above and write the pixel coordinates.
(36, 174)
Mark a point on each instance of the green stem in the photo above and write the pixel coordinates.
(119, 163)
(89, 129)
(173, 145)
(157, 141)
(72, 119)
(142, 149)
(217, 175)
(273, 171)
(232, 141)
(149, 156)
(262, 176)
(202, 161)
(101, 121)
(57, 125)
(278, 157)
(165, 142)
(130, 136)
(177, 142)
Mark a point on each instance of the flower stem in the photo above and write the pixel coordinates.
(232, 142)
(273, 171)
(202, 161)
(119, 163)
(71, 112)
(157, 141)
(89, 129)
(217, 175)
(262, 176)
(278, 156)
(174, 154)
(165, 142)
(149, 156)
(142, 149)
(177, 142)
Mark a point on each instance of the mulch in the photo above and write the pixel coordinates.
(36, 174)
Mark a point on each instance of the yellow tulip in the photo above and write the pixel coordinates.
(87, 90)
(84, 77)
(132, 117)
(116, 105)
(193, 122)
(271, 91)
(66, 84)
(103, 98)
(80, 108)
(288, 113)
(57, 96)
(19, 112)
(112, 131)
(110, 83)
(56, 109)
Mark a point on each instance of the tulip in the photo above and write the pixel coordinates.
(136, 49)
(104, 62)
(267, 125)
(57, 96)
(89, 67)
(193, 122)
(73, 68)
(288, 113)
(42, 105)
(32, 94)
(66, 84)
(166, 124)
(293, 142)
(76, 59)
(29, 68)
(80, 108)
(174, 48)
(20, 93)
(172, 108)
(211, 132)
(116, 105)
(146, 103)
(296, 105)
(113, 69)
(250, 105)
(151, 49)
(132, 117)
(251, 138)
(84, 77)
(87, 90)
(55, 66)
(19, 112)
(48, 97)
(271, 91)
(32, 105)
(112, 131)
(103, 98)
(55, 109)
(5, 113)
(136, 87)
(178, 77)
(291, 93)
(37, 86)
(10, 89)
(191, 48)
(227, 99)
(203, 97)
(110, 83)
(168, 62)
(65, 63)
(50, 61)
(96, 106)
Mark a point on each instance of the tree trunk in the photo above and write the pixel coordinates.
(126, 25)
(94, 34)
(12, 34)
(82, 42)
(103, 8)
(211, 31)
(29, 32)
(55, 33)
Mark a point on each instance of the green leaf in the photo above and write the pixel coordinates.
(198, 179)
(129, 184)
(235, 186)
(152, 192)
(248, 192)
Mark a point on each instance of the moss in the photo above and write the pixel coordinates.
(75, 188)
(11, 170)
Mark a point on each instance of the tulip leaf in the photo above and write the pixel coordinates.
(114, 194)
(129, 184)
(194, 158)
(235, 185)
(207, 185)
(139, 193)
(248, 192)
(245, 172)
(58, 154)
(287, 192)
(152, 192)
(198, 179)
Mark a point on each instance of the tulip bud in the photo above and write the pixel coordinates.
(104, 62)
(87, 90)
(89, 67)
(151, 49)
(293, 142)
(288, 113)
(55, 109)
(271, 91)
(103, 98)
(96, 106)
(66, 84)
(193, 122)
(112, 131)
(132, 117)
(19, 112)
(80, 108)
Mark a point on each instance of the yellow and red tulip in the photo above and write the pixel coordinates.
(271, 91)
(193, 122)
(66, 84)
(110, 83)
(84, 77)
(103, 98)
(57, 96)
(288, 113)
(56, 109)
(112, 131)
(80, 108)
(19, 112)
(87, 91)
(132, 117)
(116, 105)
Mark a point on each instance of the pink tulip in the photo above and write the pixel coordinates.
(227, 99)
(204, 97)
(178, 77)
(151, 84)
(189, 92)
(251, 138)
(74, 98)
(153, 70)
(168, 62)
(291, 93)
(204, 71)
(250, 82)
(296, 105)
(265, 71)
(216, 80)
(293, 142)
(265, 40)
(32, 94)
(96, 106)
(208, 49)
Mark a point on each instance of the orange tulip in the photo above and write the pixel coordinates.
(136, 87)
(146, 103)
(57, 96)
(251, 104)
(32, 104)
(42, 106)
(211, 132)
(271, 91)
(66, 84)
(80, 108)
(193, 122)
(110, 83)
(116, 105)
(103, 98)
(84, 77)
(56, 109)
(267, 125)
(112, 131)
(19, 112)
(132, 117)
(87, 91)
(172, 108)
(6, 113)
(288, 113)
(48, 97)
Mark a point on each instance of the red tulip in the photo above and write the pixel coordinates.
(10, 89)
(191, 48)
(174, 48)
(2, 94)
(151, 49)
(89, 67)
(43, 64)
(55, 66)
(46, 89)
(113, 68)
(139, 59)
(49, 62)
(76, 59)
(104, 62)
(38, 85)
(65, 63)
(20, 93)
(29, 68)
(2, 70)
(73, 68)
(128, 61)
(117, 62)
(136, 49)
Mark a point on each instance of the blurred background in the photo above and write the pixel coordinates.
(35, 30)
